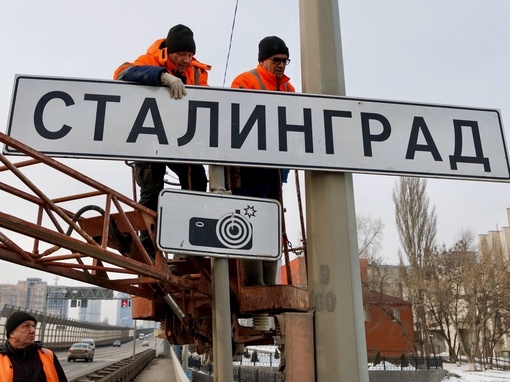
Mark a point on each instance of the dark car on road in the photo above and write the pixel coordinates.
(117, 343)
(80, 350)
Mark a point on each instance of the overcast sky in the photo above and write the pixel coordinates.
(454, 52)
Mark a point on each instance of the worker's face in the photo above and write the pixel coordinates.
(276, 64)
(181, 60)
(23, 335)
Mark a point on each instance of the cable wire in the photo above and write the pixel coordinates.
(230, 42)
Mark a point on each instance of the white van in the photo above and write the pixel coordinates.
(89, 341)
(141, 336)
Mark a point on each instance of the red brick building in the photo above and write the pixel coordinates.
(389, 327)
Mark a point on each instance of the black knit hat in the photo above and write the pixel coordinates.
(180, 39)
(271, 45)
(16, 319)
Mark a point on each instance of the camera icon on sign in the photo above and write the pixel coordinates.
(231, 231)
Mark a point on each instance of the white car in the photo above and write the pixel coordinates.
(80, 350)
(91, 342)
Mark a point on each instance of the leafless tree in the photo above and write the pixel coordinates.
(380, 281)
(380, 278)
(466, 297)
(370, 232)
(446, 304)
(416, 224)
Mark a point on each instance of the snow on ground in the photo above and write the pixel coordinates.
(459, 373)
(474, 376)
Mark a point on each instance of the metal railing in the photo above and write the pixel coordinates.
(498, 363)
(60, 333)
(261, 372)
(243, 374)
(125, 370)
(404, 363)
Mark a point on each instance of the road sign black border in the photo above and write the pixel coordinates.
(18, 77)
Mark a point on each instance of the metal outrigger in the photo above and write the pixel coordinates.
(92, 236)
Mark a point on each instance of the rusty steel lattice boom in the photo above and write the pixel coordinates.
(92, 236)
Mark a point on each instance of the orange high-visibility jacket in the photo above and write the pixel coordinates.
(258, 79)
(46, 356)
(157, 56)
(261, 79)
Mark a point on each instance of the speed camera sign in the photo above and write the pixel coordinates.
(218, 225)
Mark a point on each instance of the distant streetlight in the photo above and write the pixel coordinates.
(432, 345)
(134, 334)
(134, 339)
(43, 321)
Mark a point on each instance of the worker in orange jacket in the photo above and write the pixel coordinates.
(169, 62)
(24, 359)
(273, 58)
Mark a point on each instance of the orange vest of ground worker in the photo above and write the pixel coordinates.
(46, 356)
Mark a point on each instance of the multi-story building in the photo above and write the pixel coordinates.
(36, 294)
(90, 311)
(498, 242)
(57, 304)
(29, 294)
(500, 237)
(13, 294)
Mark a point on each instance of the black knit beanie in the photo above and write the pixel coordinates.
(271, 45)
(180, 39)
(16, 319)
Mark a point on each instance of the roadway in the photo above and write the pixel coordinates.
(103, 357)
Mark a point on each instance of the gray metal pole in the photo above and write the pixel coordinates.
(184, 358)
(45, 312)
(134, 340)
(333, 263)
(222, 336)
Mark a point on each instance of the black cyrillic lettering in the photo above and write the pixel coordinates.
(192, 122)
(306, 129)
(477, 144)
(149, 105)
(239, 135)
(101, 111)
(328, 127)
(38, 115)
(419, 124)
(368, 138)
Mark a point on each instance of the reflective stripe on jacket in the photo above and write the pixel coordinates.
(258, 79)
(157, 56)
(46, 357)
(262, 79)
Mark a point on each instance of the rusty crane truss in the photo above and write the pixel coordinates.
(92, 236)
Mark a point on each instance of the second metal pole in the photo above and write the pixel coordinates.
(333, 263)
(222, 336)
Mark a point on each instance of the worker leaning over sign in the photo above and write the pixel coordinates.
(269, 74)
(23, 359)
(169, 62)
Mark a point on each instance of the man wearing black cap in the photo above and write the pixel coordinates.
(273, 57)
(24, 359)
(170, 62)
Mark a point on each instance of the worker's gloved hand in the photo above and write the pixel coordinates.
(177, 89)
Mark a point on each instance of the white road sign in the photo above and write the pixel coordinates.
(87, 118)
(218, 225)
